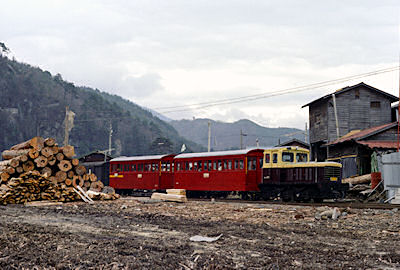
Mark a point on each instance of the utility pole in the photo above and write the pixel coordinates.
(209, 136)
(257, 143)
(241, 138)
(109, 140)
(336, 117)
(66, 129)
(306, 134)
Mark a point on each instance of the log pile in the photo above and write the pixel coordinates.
(39, 169)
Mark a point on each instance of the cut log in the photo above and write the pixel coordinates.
(41, 161)
(80, 170)
(176, 191)
(68, 151)
(10, 170)
(363, 179)
(49, 141)
(95, 186)
(23, 158)
(92, 177)
(46, 170)
(86, 184)
(68, 182)
(9, 154)
(60, 156)
(71, 174)
(53, 179)
(33, 153)
(28, 166)
(75, 162)
(5, 162)
(55, 149)
(19, 169)
(52, 160)
(61, 176)
(46, 152)
(4, 176)
(86, 177)
(64, 165)
(14, 162)
(76, 181)
(35, 143)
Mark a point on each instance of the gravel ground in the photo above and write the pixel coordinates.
(134, 233)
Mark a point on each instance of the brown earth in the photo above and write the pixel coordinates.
(134, 234)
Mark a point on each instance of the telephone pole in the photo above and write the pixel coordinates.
(109, 139)
(209, 136)
(241, 138)
(66, 129)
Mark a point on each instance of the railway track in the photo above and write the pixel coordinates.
(344, 204)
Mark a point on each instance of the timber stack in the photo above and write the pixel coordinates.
(39, 169)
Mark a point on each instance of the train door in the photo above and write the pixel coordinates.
(167, 173)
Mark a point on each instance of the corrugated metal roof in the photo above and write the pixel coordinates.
(363, 133)
(380, 144)
(155, 157)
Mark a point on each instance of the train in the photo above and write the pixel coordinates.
(261, 173)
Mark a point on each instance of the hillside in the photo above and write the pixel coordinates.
(33, 102)
(227, 135)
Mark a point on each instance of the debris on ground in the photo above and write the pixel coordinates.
(199, 238)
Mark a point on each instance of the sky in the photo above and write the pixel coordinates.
(178, 52)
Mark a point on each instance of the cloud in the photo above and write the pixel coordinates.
(141, 86)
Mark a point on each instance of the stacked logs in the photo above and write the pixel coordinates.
(45, 158)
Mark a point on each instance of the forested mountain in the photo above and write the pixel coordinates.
(33, 102)
(227, 135)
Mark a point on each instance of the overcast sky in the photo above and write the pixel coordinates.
(172, 53)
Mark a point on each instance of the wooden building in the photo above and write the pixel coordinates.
(354, 150)
(356, 107)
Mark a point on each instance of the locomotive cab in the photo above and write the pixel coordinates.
(288, 174)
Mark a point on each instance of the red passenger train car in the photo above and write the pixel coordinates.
(142, 173)
(213, 173)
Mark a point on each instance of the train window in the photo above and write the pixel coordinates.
(205, 165)
(200, 166)
(133, 167)
(301, 157)
(241, 164)
(119, 167)
(178, 166)
(153, 167)
(229, 164)
(126, 167)
(168, 166)
(287, 157)
(190, 166)
(275, 158)
(219, 165)
(195, 166)
(251, 163)
(147, 167)
(225, 164)
(267, 158)
(209, 165)
(215, 166)
(260, 164)
(236, 164)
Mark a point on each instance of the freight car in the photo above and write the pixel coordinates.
(288, 174)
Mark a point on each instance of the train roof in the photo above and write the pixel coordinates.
(154, 157)
(217, 153)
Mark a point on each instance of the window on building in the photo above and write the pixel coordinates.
(375, 104)
(357, 94)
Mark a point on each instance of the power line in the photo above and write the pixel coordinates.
(307, 87)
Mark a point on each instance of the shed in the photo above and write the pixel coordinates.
(354, 150)
(295, 142)
(98, 163)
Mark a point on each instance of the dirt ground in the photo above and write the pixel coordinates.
(132, 233)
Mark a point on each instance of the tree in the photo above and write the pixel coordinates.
(3, 48)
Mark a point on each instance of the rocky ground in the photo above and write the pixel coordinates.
(133, 233)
